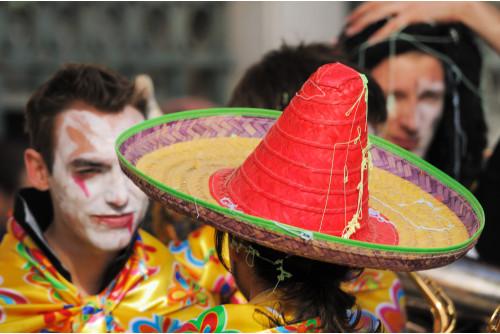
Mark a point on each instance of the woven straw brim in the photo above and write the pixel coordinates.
(151, 136)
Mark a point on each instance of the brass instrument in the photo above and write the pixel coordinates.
(472, 286)
(494, 324)
(442, 307)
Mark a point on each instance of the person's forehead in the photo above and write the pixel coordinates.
(94, 120)
(420, 60)
(90, 128)
(411, 66)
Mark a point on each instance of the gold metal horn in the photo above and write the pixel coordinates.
(442, 307)
(494, 324)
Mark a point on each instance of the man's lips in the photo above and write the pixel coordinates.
(406, 143)
(117, 221)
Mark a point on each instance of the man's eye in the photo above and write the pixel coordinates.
(431, 96)
(87, 172)
(400, 95)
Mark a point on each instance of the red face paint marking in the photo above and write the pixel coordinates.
(81, 184)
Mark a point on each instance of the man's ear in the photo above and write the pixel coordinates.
(37, 171)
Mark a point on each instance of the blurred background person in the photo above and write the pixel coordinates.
(430, 75)
(484, 20)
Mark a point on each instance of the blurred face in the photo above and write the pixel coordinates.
(418, 90)
(95, 204)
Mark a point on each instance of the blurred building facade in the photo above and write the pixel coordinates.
(188, 48)
(181, 45)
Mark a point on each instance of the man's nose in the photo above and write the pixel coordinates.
(408, 118)
(117, 193)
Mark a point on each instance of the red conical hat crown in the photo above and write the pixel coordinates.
(311, 169)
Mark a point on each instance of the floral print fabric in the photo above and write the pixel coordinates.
(153, 292)
(379, 294)
(158, 290)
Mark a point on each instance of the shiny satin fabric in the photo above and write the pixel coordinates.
(246, 318)
(379, 293)
(255, 316)
(152, 293)
(158, 290)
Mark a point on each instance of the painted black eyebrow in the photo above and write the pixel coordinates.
(433, 93)
(88, 163)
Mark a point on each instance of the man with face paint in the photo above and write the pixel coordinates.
(417, 93)
(74, 258)
(430, 74)
(484, 20)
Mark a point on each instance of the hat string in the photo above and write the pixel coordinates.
(252, 253)
(229, 204)
(353, 224)
(453, 70)
(417, 41)
(460, 135)
(306, 235)
(425, 204)
(391, 99)
(460, 142)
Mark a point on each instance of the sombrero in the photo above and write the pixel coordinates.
(309, 181)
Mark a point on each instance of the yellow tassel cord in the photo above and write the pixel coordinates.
(353, 225)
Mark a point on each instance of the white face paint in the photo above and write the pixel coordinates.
(95, 204)
(429, 109)
(418, 88)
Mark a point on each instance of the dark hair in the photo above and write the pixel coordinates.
(90, 84)
(314, 286)
(454, 151)
(272, 82)
(487, 194)
(11, 164)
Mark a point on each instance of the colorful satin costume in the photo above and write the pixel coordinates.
(154, 290)
(379, 293)
(246, 318)
(254, 317)
(151, 291)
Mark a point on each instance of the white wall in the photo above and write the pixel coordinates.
(255, 28)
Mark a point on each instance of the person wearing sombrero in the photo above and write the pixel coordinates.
(271, 83)
(302, 206)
